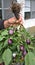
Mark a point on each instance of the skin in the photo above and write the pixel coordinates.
(12, 21)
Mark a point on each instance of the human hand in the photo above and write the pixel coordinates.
(20, 22)
(9, 22)
(13, 21)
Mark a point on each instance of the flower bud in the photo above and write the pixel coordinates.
(28, 41)
(9, 41)
(14, 55)
(11, 32)
(21, 47)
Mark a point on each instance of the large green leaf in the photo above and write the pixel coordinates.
(5, 32)
(30, 59)
(7, 56)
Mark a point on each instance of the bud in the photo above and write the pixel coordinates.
(14, 55)
(28, 41)
(10, 32)
(21, 47)
(9, 41)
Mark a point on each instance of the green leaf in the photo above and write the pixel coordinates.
(1, 38)
(18, 48)
(5, 32)
(5, 43)
(31, 47)
(7, 56)
(1, 60)
(1, 46)
(30, 59)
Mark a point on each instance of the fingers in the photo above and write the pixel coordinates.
(20, 19)
(13, 21)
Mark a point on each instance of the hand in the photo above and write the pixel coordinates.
(12, 21)
(19, 21)
(9, 22)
